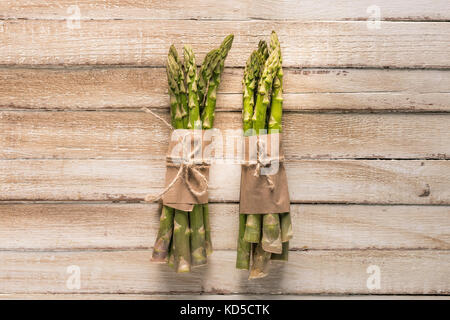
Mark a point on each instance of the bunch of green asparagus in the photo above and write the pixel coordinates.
(263, 237)
(184, 238)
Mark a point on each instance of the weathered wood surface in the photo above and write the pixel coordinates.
(139, 135)
(329, 181)
(304, 89)
(336, 60)
(416, 10)
(78, 226)
(402, 272)
(145, 42)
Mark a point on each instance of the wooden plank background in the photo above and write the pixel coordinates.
(366, 137)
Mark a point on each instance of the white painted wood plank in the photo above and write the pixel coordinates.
(310, 181)
(74, 226)
(305, 89)
(139, 135)
(229, 10)
(304, 44)
(326, 272)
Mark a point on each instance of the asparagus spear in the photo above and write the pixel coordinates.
(207, 224)
(205, 75)
(286, 235)
(251, 74)
(171, 260)
(161, 247)
(260, 263)
(271, 67)
(210, 104)
(286, 227)
(284, 254)
(274, 126)
(243, 250)
(195, 218)
(210, 78)
(177, 68)
(198, 252)
(253, 226)
(181, 233)
(263, 50)
(251, 234)
(174, 73)
(192, 79)
(271, 240)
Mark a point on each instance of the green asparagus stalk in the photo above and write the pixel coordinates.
(275, 126)
(174, 74)
(190, 68)
(161, 247)
(198, 251)
(271, 240)
(171, 261)
(249, 233)
(197, 248)
(271, 67)
(251, 73)
(207, 224)
(210, 104)
(163, 239)
(253, 227)
(178, 255)
(260, 263)
(181, 234)
(210, 73)
(263, 50)
(286, 227)
(205, 75)
(177, 67)
(243, 247)
(284, 254)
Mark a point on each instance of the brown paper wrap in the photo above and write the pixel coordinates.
(264, 187)
(187, 158)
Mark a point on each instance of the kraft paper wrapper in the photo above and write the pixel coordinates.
(257, 197)
(178, 196)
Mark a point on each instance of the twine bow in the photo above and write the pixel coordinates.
(188, 166)
(262, 161)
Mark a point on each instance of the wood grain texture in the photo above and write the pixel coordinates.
(329, 181)
(227, 10)
(304, 89)
(73, 226)
(138, 135)
(305, 44)
(338, 272)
